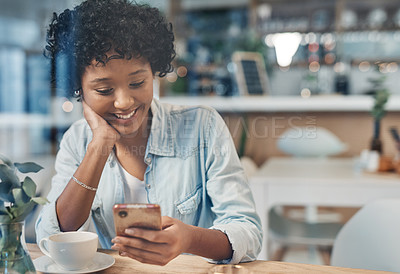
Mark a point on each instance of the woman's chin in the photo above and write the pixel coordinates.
(130, 128)
(128, 131)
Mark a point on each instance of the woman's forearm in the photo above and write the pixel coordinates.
(209, 243)
(74, 204)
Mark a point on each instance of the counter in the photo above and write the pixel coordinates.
(319, 103)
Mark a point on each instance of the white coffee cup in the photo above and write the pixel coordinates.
(71, 250)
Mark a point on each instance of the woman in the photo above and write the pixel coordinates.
(131, 148)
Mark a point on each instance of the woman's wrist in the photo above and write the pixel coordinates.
(100, 147)
(209, 243)
(191, 238)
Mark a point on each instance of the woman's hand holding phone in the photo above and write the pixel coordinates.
(155, 247)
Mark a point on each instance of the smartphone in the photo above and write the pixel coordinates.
(136, 215)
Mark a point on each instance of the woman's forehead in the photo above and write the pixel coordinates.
(118, 66)
(113, 60)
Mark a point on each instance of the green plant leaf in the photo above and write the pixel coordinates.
(4, 211)
(29, 186)
(28, 167)
(40, 200)
(8, 175)
(19, 196)
(5, 192)
(6, 161)
(20, 212)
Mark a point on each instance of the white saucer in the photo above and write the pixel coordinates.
(100, 261)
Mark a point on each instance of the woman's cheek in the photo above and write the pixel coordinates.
(96, 104)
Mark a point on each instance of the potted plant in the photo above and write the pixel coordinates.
(17, 200)
(381, 96)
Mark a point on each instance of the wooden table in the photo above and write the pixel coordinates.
(194, 264)
(316, 181)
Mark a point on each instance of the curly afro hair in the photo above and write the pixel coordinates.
(95, 27)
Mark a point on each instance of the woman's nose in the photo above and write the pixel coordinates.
(123, 100)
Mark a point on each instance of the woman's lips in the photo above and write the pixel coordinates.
(123, 119)
(125, 116)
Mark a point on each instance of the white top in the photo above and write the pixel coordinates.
(134, 188)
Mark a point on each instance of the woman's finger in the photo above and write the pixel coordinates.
(143, 256)
(148, 235)
(87, 113)
(139, 244)
(91, 117)
(99, 126)
(166, 221)
(144, 260)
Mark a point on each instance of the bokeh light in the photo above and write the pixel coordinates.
(181, 71)
(364, 66)
(172, 77)
(313, 47)
(305, 93)
(67, 106)
(339, 67)
(329, 58)
(392, 67)
(314, 66)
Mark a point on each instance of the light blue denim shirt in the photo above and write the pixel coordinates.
(193, 173)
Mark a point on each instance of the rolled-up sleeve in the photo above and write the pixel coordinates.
(67, 161)
(232, 200)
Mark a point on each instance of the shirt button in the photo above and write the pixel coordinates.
(148, 186)
(148, 160)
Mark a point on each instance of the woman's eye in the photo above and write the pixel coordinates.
(135, 85)
(104, 91)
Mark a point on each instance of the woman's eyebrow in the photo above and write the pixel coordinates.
(99, 80)
(137, 72)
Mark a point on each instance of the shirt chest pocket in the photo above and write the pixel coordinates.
(188, 208)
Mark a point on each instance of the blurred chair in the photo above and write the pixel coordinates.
(288, 232)
(309, 230)
(371, 238)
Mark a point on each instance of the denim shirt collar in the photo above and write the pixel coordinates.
(161, 140)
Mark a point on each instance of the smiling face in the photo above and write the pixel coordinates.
(121, 92)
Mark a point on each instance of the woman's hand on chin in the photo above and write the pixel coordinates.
(155, 247)
(103, 133)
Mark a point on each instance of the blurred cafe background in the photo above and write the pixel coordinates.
(292, 78)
